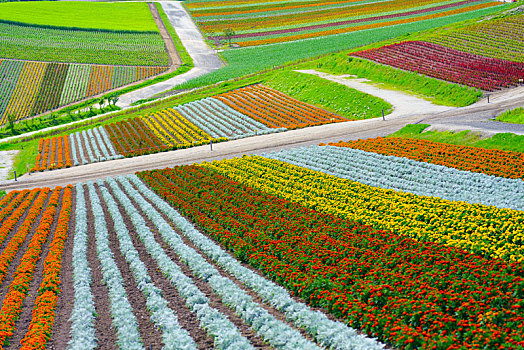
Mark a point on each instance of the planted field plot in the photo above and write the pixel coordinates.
(488, 161)
(448, 64)
(275, 109)
(498, 38)
(29, 88)
(403, 288)
(34, 229)
(93, 46)
(256, 23)
(144, 275)
(82, 147)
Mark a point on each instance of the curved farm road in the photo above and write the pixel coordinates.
(204, 58)
(404, 104)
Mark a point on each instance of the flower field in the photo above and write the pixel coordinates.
(445, 63)
(250, 111)
(30, 88)
(408, 292)
(34, 228)
(256, 23)
(488, 161)
(275, 109)
(499, 38)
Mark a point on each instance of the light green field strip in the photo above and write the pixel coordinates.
(9, 74)
(93, 15)
(122, 75)
(75, 86)
(232, 4)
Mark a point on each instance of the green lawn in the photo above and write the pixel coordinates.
(515, 116)
(93, 15)
(437, 91)
(504, 141)
(329, 95)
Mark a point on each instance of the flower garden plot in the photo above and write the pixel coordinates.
(488, 231)
(256, 24)
(407, 175)
(30, 88)
(448, 64)
(498, 38)
(44, 226)
(276, 109)
(488, 161)
(410, 294)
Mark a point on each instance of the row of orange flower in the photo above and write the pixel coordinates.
(43, 319)
(488, 161)
(19, 288)
(53, 153)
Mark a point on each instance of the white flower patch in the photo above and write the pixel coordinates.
(80, 148)
(99, 156)
(89, 150)
(174, 336)
(328, 333)
(225, 333)
(275, 332)
(112, 153)
(124, 320)
(407, 175)
(83, 314)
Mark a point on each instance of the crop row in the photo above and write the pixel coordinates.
(499, 38)
(488, 161)
(445, 63)
(254, 110)
(407, 175)
(275, 109)
(43, 216)
(407, 293)
(82, 46)
(263, 24)
(30, 88)
(126, 208)
(83, 147)
(485, 230)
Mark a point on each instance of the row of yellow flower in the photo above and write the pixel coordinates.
(489, 231)
(173, 131)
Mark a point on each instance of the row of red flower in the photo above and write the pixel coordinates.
(445, 63)
(410, 294)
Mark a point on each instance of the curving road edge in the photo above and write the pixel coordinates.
(204, 58)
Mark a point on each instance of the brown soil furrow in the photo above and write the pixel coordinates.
(24, 320)
(76, 149)
(276, 313)
(186, 318)
(151, 336)
(214, 300)
(64, 306)
(104, 331)
(21, 250)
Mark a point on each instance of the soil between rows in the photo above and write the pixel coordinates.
(104, 331)
(151, 335)
(62, 327)
(24, 320)
(186, 318)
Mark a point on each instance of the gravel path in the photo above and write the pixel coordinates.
(404, 104)
(6, 163)
(204, 58)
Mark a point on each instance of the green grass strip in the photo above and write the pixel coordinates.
(514, 116)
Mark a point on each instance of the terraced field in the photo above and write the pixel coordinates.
(254, 23)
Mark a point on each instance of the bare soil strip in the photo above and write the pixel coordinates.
(174, 57)
(64, 306)
(151, 336)
(187, 319)
(22, 324)
(104, 331)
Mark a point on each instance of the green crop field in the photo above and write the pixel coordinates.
(89, 15)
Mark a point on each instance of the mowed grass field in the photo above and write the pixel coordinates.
(87, 15)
